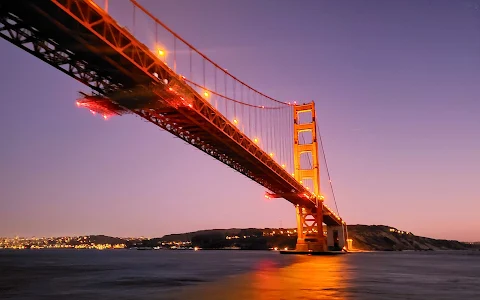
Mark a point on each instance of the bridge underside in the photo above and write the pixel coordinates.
(81, 40)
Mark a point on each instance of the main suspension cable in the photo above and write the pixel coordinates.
(232, 99)
(326, 166)
(135, 3)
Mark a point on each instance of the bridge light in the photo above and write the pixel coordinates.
(160, 52)
(255, 140)
(293, 174)
(206, 94)
(271, 154)
(93, 113)
(78, 103)
(301, 182)
(284, 166)
(235, 121)
(105, 117)
(170, 89)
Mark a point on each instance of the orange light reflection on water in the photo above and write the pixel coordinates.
(309, 277)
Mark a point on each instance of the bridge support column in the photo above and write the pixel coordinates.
(310, 235)
(309, 219)
(337, 237)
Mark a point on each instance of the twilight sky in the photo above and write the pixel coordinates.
(397, 88)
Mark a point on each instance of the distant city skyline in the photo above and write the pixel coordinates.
(397, 91)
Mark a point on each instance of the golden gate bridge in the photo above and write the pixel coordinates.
(176, 87)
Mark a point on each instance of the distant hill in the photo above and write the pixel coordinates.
(103, 239)
(188, 235)
(365, 237)
(385, 238)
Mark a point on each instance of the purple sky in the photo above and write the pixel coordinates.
(398, 96)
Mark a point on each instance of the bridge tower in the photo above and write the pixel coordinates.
(309, 220)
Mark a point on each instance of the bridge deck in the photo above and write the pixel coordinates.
(81, 40)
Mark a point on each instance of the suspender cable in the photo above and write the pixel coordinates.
(133, 29)
(215, 87)
(234, 103)
(191, 68)
(204, 77)
(225, 92)
(175, 54)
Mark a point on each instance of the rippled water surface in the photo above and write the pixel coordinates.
(163, 274)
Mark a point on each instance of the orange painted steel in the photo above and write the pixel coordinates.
(309, 219)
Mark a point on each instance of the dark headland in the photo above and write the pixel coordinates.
(365, 237)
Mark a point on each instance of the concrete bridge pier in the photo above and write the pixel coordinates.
(310, 236)
(337, 238)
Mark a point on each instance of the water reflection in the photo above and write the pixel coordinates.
(123, 275)
(309, 277)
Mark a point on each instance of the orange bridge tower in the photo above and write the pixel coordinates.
(312, 236)
(309, 220)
